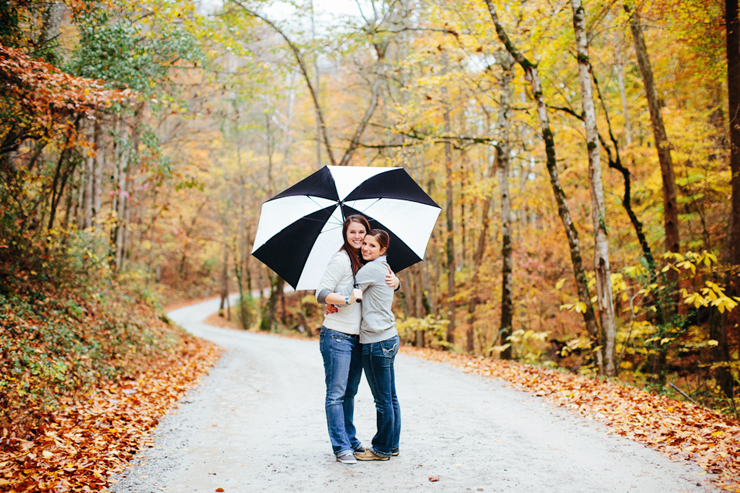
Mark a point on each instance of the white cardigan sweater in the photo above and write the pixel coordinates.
(338, 279)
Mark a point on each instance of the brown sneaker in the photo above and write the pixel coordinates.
(395, 452)
(370, 455)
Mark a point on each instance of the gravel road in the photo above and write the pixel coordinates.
(256, 423)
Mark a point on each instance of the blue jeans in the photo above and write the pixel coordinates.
(377, 360)
(342, 355)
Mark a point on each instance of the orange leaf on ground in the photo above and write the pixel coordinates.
(98, 434)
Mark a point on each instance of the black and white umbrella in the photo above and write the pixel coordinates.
(301, 228)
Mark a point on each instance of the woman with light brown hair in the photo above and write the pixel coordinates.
(340, 341)
(380, 344)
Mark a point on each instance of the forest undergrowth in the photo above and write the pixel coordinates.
(89, 364)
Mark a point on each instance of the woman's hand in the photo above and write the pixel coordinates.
(391, 280)
(356, 295)
(331, 309)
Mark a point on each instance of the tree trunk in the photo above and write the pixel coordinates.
(290, 100)
(260, 283)
(132, 166)
(269, 311)
(97, 183)
(366, 117)
(598, 212)
(51, 18)
(88, 205)
(449, 214)
(619, 69)
(319, 121)
(733, 92)
(532, 76)
(416, 272)
(122, 195)
(223, 308)
(507, 261)
(61, 175)
(732, 246)
(242, 300)
(670, 205)
(719, 327)
(83, 194)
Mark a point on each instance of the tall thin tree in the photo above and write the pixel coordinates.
(598, 211)
(662, 145)
(449, 213)
(733, 93)
(507, 259)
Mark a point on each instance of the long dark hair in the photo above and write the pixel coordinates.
(354, 254)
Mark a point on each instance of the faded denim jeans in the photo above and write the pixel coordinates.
(342, 356)
(377, 361)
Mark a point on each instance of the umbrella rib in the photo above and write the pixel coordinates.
(309, 197)
(332, 229)
(369, 206)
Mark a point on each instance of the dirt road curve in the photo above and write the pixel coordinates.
(257, 423)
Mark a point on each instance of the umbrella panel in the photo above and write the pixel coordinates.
(318, 184)
(286, 252)
(277, 215)
(349, 178)
(393, 184)
(324, 248)
(399, 254)
(412, 222)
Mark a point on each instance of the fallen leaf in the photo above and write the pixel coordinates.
(96, 434)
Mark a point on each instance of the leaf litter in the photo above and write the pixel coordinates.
(93, 436)
(679, 430)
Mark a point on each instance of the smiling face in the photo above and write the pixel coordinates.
(355, 234)
(371, 248)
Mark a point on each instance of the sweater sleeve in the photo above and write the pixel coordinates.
(332, 276)
(321, 295)
(368, 276)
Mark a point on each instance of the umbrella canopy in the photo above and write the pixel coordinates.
(301, 228)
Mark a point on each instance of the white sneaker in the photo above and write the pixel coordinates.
(347, 459)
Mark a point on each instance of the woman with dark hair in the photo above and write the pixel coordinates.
(380, 344)
(339, 339)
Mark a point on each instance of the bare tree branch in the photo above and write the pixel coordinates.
(304, 71)
(355, 141)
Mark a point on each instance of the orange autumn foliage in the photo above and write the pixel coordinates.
(93, 436)
(41, 100)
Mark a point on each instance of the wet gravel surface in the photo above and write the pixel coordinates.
(257, 423)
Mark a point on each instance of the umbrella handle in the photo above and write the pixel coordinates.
(357, 286)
